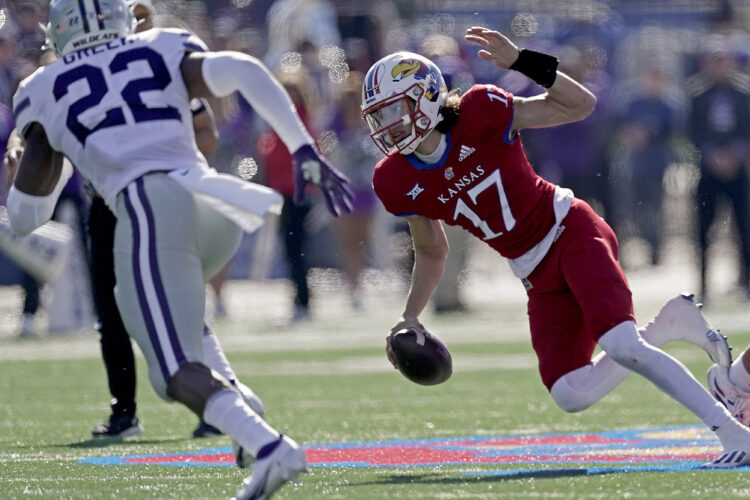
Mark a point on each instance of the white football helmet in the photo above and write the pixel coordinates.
(401, 99)
(78, 24)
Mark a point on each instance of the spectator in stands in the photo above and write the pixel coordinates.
(355, 154)
(444, 51)
(719, 126)
(647, 120)
(8, 77)
(573, 155)
(28, 15)
(278, 173)
(6, 127)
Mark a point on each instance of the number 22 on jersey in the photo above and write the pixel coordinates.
(131, 93)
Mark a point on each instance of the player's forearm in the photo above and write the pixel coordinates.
(28, 212)
(227, 72)
(428, 269)
(206, 132)
(207, 141)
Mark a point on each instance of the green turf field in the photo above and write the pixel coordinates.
(328, 382)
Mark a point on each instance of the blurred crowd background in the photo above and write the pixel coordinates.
(664, 157)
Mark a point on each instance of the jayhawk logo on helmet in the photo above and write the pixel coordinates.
(420, 71)
(407, 68)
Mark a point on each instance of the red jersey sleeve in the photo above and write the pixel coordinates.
(496, 107)
(389, 180)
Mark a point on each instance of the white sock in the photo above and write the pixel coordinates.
(628, 348)
(738, 374)
(228, 412)
(214, 358)
(733, 435)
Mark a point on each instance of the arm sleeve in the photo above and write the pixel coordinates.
(227, 72)
(27, 212)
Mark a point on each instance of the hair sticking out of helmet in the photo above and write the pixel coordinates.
(401, 99)
(79, 24)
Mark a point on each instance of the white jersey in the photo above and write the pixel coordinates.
(117, 110)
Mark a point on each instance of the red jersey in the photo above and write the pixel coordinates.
(483, 182)
(278, 160)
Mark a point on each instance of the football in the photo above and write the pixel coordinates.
(423, 359)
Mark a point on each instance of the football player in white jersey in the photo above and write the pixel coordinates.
(117, 350)
(178, 221)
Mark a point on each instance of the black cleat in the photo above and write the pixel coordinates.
(206, 430)
(118, 426)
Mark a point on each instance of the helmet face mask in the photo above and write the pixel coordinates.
(395, 121)
(401, 97)
(79, 24)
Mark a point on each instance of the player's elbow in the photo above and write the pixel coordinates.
(586, 105)
(228, 71)
(21, 215)
(22, 226)
(437, 252)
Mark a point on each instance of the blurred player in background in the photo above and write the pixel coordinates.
(460, 160)
(178, 221)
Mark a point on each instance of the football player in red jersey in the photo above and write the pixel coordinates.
(459, 159)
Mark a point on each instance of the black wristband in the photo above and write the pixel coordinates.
(542, 68)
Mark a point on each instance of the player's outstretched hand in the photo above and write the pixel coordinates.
(403, 324)
(310, 166)
(496, 48)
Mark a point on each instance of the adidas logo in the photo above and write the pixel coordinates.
(465, 152)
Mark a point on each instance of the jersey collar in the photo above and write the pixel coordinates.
(420, 165)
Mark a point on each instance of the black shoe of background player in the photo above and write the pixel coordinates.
(206, 430)
(118, 426)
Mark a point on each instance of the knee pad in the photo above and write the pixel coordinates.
(570, 391)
